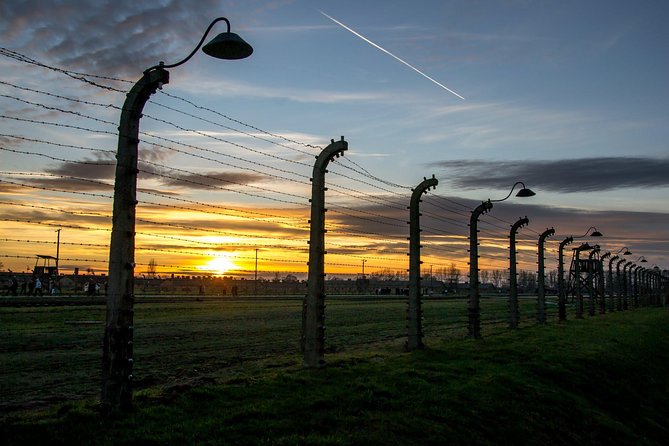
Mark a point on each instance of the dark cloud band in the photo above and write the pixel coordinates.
(566, 175)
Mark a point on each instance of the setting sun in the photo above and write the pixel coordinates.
(219, 265)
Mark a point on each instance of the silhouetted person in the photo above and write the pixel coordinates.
(13, 286)
(38, 286)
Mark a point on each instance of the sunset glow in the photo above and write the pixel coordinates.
(227, 147)
(219, 266)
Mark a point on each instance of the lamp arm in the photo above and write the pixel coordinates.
(586, 232)
(510, 192)
(211, 25)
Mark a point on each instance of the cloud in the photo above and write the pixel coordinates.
(10, 188)
(226, 87)
(445, 230)
(7, 140)
(38, 215)
(101, 166)
(565, 175)
(210, 226)
(120, 37)
(71, 184)
(154, 154)
(210, 179)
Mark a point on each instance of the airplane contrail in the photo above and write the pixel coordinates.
(390, 54)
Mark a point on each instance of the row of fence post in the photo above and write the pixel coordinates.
(118, 340)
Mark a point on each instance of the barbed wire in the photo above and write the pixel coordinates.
(107, 122)
(51, 189)
(218, 124)
(140, 191)
(367, 178)
(274, 135)
(366, 173)
(79, 114)
(53, 143)
(212, 186)
(75, 213)
(82, 77)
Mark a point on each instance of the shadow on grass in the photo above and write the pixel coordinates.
(602, 380)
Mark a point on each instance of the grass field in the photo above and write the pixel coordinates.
(53, 354)
(600, 380)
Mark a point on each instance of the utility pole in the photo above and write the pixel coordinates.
(474, 302)
(621, 285)
(562, 286)
(612, 292)
(577, 278)
(117, 354)
(255, 276)
(541, 277)
(513, 275)
(414, 318)
(117, 360)
(592, 279)
(313, 313)
(431, 279)
(602, 283)
(58, 251)
(363, 267)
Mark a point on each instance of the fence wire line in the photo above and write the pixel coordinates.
(362, 174)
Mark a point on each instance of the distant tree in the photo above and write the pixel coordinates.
(453, 275)
(527, 280)
(484, 276)
(290, 278)
(498, 277)
(386, 274)
(551, 278)
(151, 271)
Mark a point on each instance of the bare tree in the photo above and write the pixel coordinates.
(484, 276)
(440, 274)
(551, 278)
(527, 280)
(498, 277)
(453, 275)
(386, 274)
(151, 270)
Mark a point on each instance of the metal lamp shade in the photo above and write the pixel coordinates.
(228, 46)
(525, 192)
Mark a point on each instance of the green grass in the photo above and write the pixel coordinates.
(46, 358)
(601, 380)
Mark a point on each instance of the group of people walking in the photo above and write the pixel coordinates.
(46, 286)
(37, 286)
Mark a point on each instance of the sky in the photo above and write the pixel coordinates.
(568, 97)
